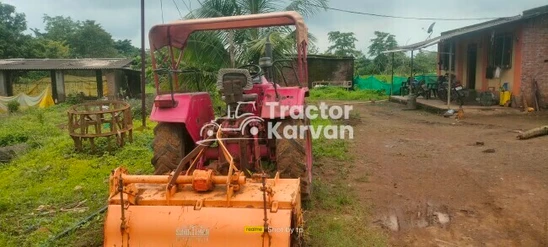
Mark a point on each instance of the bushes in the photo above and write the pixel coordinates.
(74, 99)
(13, 138)
(337, 93)
(13, 106)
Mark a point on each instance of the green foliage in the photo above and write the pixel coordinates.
(74, 99)
(91, 41)
(337, 93)
(8, 139)
(13, 106)
(37, 187)
(14, 43)
(47, 48)
(382, 42)
(425, 62)
(343, 44)
(126, 49)
(246, 45)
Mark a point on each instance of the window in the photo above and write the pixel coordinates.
(444, 57)
(501, 51)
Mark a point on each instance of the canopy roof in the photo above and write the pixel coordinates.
(65, 64)
(176, 33)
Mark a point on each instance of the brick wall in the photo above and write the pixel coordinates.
(535, 59)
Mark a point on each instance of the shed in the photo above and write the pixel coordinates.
(117, 71)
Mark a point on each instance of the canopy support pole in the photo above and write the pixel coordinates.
(392, 82)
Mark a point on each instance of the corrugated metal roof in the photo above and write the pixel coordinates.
(478, 27)
(531, 13)
(64, 64)
(456, 32)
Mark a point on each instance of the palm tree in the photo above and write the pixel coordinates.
(245, 46)
(208, 51)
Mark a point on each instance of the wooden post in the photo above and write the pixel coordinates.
(54, 87)
(99, 79)
(4, 83)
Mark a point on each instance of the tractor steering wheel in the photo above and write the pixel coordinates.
(254, 70)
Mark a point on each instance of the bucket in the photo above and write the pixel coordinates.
(504, 97)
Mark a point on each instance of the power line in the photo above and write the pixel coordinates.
(404, 17)
(177, 7)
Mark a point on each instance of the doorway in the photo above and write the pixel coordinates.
(471, 68)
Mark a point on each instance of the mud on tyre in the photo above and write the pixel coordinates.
(171, 144)
(294, 157)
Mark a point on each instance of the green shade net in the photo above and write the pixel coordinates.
(373, 83)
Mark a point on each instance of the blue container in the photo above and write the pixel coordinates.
(505, 86)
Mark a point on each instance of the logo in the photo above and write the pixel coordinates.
(248, 124)
(193, 232)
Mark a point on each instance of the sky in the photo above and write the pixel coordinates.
(121, 18)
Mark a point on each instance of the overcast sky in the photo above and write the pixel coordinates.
(122, 17)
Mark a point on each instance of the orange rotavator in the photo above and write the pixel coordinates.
(210, 186)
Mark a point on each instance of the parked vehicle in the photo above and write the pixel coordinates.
(457, 93)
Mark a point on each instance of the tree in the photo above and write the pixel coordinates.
(343, 44)
(58, 28)
(425, 62)
(126, 49)
(46, 48)
(91, 40)
(247, 45)
(13, 43)
(383, 42)
(85, 39)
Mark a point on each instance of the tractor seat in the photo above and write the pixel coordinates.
(232, 83)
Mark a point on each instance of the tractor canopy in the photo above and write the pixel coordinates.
(177, 33)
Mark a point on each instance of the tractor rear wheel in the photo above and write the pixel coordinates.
(171, 144)
(294, 156)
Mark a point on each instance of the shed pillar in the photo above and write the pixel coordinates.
(99, 79)
(60, 85)
(54, 86)
(4, 83)
(115, 81)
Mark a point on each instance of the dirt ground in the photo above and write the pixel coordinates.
(434, 181)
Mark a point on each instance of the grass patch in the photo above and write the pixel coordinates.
(336, 218)
(337, 93)
(38, 188)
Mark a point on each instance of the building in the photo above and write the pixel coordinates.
(510, 51)
(327, 68)
(117, 72)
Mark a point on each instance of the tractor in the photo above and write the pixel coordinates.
(232, 180)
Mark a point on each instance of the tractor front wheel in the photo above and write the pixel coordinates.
(294, 156)
(171, 144)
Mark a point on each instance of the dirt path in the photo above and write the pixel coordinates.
(430, 184)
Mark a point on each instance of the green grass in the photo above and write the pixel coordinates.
(51, 176)
(337, 93)
(336, 218)
(36, 187)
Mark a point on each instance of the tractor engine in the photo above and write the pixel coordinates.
(243, 132)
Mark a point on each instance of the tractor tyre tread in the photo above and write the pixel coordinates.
(170, 146)
(291, 159)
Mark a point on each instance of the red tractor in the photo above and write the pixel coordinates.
(260, 112)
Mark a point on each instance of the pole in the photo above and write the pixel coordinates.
(143, 78)
(412, 65)
(392, 82)
(450, 77)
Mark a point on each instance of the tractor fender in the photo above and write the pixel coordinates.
(290, 98)
(192, 109)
